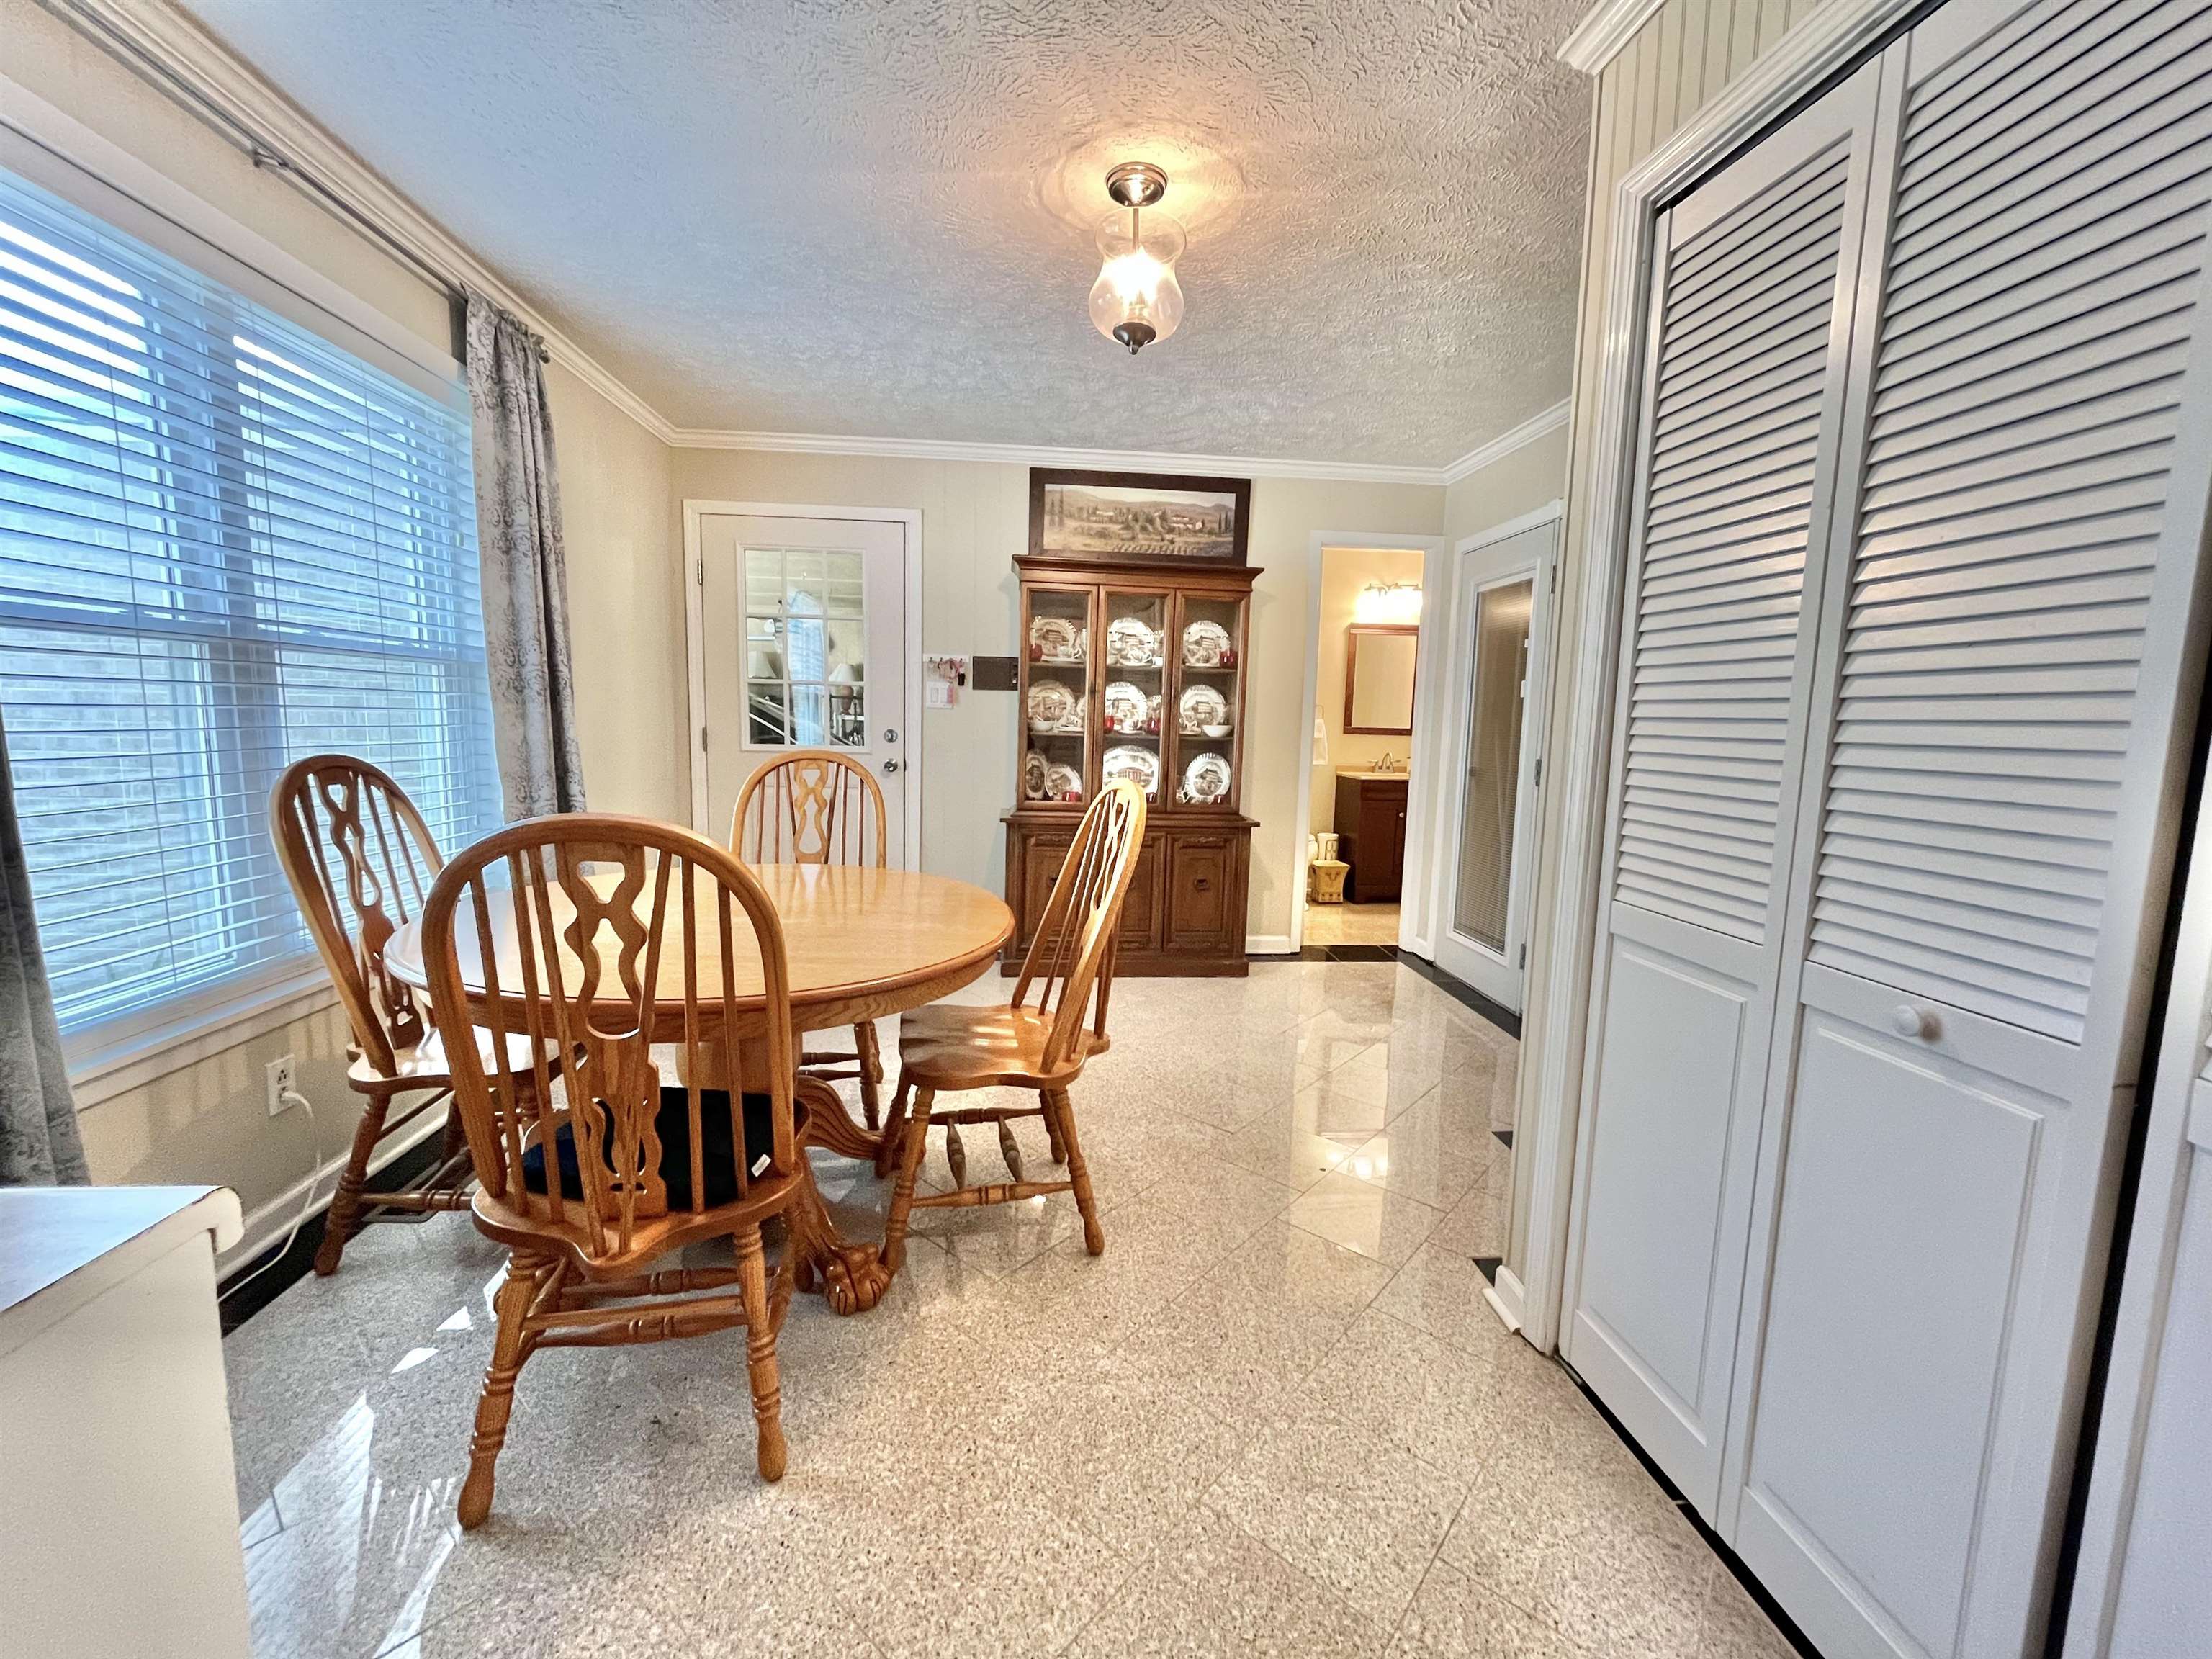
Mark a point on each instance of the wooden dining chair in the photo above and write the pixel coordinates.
(613, 934)
(1037, 1042)
(360, 859)
(818, 806)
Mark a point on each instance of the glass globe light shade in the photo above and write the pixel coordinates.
(1136, 299)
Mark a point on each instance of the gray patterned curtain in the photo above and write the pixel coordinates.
(525, 582)
(39, 1143)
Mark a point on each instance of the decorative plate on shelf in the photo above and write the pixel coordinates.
(1206, 645)
(1127, 708)
(1034, 767)
(1053, 706)
(1056, 639)
(1205, 779)
(1199, 706)
(1062, 782)
(1131, 643)
(1141, 766)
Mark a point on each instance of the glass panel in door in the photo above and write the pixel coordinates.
(1208, 661)
(1483, 889)
(1133, 670)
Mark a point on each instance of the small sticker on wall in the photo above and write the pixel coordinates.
(941, 680)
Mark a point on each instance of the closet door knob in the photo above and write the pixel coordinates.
(1913, 1022)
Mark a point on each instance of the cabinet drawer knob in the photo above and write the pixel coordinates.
(1201, 884)
(1912, 1021)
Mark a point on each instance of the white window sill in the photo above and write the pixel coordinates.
(114, 1058)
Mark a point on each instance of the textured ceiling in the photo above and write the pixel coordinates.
(875, 219)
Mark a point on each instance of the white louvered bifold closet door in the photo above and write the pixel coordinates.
(1985, 829)
(1742, 412)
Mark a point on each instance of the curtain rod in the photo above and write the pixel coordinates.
(264, 155)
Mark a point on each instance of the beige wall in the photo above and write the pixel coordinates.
(1678, 63)
(1344, 572)
(975, 518)
(1531, 477)
(207, 1121)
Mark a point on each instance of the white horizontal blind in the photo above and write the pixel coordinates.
(224, 543)
(2049, 243)
(1743, 356)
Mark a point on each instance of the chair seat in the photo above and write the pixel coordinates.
(953, 1046)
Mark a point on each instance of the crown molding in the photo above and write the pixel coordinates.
(175, 52)
(1122, 460)
(164, 45)
(1606, 29)
(1536, 426)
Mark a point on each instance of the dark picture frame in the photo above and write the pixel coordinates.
(1073, 518)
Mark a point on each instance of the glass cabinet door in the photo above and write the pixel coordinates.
(1057, 630)
(1133, 676)
(1208, 653)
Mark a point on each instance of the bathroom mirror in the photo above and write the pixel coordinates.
(1378, 678)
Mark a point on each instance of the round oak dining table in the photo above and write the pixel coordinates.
(861, 943)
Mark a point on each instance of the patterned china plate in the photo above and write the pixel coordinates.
(1034, 768)
(1131, 643)
(1205, 779)
(1056, 637)
(1199, 706)
(1127, 706)
(1141, 766)
(1051, 705)
(1204, 644)
(1062, 782)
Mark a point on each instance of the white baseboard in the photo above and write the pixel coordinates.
(1505, 1297)
(267, 1224)
(1268, 945)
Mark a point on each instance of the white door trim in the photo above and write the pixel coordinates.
(1574, 812)
(1535, 722)
(1429, 664)
(695, 626)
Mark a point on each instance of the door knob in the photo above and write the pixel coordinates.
(889, 736)
(1915, 1022)
(890, 766)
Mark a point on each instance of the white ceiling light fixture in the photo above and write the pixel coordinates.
(1137, 299)
(1388, 604)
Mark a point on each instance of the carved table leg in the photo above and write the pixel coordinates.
(853, 1277)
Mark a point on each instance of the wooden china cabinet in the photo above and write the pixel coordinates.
(1137, 669)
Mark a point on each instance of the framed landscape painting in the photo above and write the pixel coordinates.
(1138, 518)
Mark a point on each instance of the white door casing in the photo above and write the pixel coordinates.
(878, 614)
(1523, 551)
(1743, 412)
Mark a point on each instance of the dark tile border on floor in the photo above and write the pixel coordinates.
(1496, 1012)
(239, 1301)
(1767, 1605)
(1341, 953)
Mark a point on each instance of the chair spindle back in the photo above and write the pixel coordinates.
(1070, 963)
(360, 861)
(605, 925)
(810, 806)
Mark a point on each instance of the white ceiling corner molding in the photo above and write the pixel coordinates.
(162, 43)
(1605, 30)
(1120, 460)
(1536, 426)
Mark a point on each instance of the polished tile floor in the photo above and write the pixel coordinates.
(1351, 924)
(1275, 1418)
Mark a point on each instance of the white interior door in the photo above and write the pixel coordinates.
(1743, 413)
(803, 639)
(1500, 612)
(1984, 840)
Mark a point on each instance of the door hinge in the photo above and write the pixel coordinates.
(1539, 773)
(702, 740)
(699, 571)
(1524, 956)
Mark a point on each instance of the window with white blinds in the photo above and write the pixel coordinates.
(224, 543)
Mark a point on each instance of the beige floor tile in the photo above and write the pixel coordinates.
(1364, 1217)
(1345, 1507)
(1452, 1617)
(1205, 1590)
(1247, 1428)
(1734, 1627)
(1440, 1291)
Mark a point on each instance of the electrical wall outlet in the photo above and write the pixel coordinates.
(279, 1080)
